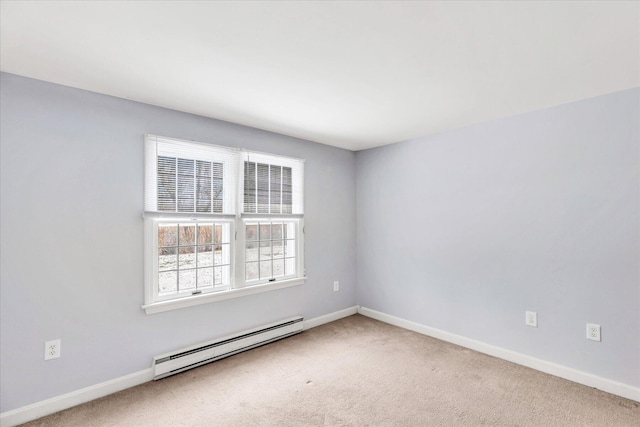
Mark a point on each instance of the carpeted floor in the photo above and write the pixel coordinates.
(356, 372)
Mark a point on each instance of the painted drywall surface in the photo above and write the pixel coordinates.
(465, 230)
(72, 238)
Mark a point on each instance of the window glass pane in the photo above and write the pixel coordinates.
(290, 266)
(265, 269)
(223, 254)
(205, 233)
(287, 190)
(186, 190)
(276, 190)
(166, 183)
(217, 192)
(205, 278)
(185, 205)
(289, 231)
(168, 235)
(205, 256)
(202, 204)
(251, 253)
(265, 231)
(203, 186)
(187, 257)
(265, 250)
(278, 267)
(290, 248)
(251, 232)
(218, 236)
(186, 280)
(203, 169)
(166, 165)
(251, 271)
(218, 275)
(187, 235)
(276, 231)
(167, 282)
(186, 167)
(225, 272)
(263, 188)
(249, 187)
(277, 249)
(167, 259)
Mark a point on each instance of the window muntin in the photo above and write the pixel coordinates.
(267, 188)
(189, 185)
(196, 197)
(270, 250)
(192, 257)
(272, 185)
(189, 177)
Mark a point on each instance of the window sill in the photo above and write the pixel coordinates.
(159, 307)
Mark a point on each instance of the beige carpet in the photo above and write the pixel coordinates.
(359, 372)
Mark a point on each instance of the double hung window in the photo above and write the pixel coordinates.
(219, 223)
(270, 249)
(192, 256)
(272, 208)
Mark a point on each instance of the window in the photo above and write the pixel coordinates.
(188, 185)
(193, 257)
(270, 250)
(219, 223)
(267, 188)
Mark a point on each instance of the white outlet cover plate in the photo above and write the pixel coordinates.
(593, 332)
(531, 318)
(52, 349)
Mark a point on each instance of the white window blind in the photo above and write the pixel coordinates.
(189, 177)
(272, 184)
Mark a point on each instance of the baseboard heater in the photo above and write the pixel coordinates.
(192, 357)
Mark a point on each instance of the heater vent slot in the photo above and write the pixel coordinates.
(192, 357)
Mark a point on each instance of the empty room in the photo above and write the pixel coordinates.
(319, 213)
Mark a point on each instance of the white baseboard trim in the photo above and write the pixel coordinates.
(321, 320)
(74, 398)
(68, 400)
(580, 377)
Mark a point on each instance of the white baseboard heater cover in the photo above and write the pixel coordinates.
(192, 357)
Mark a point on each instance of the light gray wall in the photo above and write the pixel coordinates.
(72, 238)
(465, 230)
(461, 231)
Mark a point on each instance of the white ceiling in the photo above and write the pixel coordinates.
(350, 74)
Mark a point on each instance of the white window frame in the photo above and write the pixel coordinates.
(298, 278)
(155, 249)
(234, 193)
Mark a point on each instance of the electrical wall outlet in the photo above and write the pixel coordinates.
(531, 318)
(593, 332)
(52, 349)
(336, 286)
